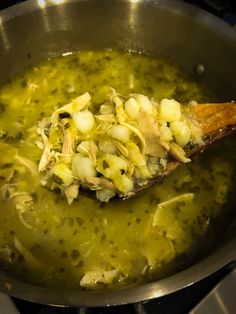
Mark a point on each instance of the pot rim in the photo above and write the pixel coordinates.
(171, 5)
(216, 260)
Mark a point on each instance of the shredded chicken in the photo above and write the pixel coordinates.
(28, 164)
(71, 192)
(5, 255)
(100, 183)
(150, 130)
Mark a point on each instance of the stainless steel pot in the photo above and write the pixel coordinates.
(188, 37)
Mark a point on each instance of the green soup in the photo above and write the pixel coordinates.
(89, 244)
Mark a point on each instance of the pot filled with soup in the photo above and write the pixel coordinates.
(105, 107)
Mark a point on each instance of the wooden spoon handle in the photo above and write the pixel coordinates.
(216, 118)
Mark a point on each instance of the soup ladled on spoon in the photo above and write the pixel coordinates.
(127, 143)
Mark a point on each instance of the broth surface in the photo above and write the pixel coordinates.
(45, 241)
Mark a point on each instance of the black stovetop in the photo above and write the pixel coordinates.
(179, 302)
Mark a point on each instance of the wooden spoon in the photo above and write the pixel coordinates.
(217, 120)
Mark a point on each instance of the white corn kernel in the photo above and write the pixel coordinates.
(107, 109)
(181, 132)
(165, 131)
(63, 172)
(120, 133)
(123, 183)
(83, 148)
(145, 103)
(111, 166)
(84, 121)
(106, 146)
(169, 110)
(82, 167)
(132, 108)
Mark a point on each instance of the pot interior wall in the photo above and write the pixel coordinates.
(32, 32)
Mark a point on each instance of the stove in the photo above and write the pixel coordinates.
(213, 294)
